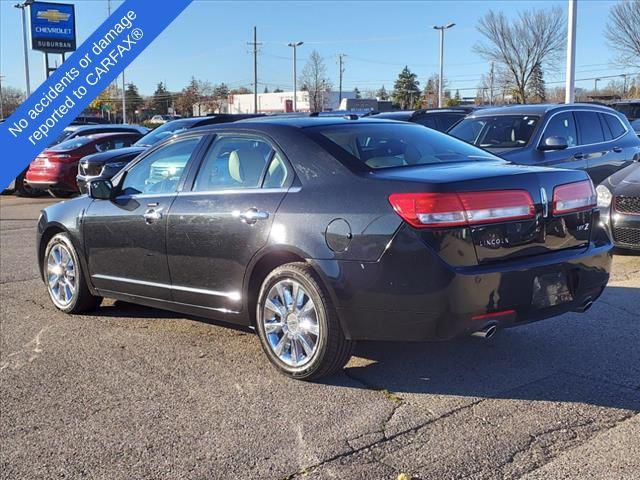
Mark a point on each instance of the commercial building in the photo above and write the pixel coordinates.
(282, 102)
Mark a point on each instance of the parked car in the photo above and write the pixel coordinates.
(629, 108)
(76, 129)
(319, 232)
(106, 164)
(162, 119)
(55, 168)
(588, 137)
(619, 203)
(441, 119)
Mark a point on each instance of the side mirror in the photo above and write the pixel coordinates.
(101, 189)
(554, 143)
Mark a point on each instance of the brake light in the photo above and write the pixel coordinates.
(438, 210)
(574, 197)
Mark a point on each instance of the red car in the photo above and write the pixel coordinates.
(55, 169)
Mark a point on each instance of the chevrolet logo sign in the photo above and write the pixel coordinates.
(53, 16)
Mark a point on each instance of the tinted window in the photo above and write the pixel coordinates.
(501, 131)
(165, 131)
(427, 121)
(615, 125)
(233, 162)
(395, 145)
(562, 125)
(447, 120)
(160, 171)
(72, 143)
(590, 129)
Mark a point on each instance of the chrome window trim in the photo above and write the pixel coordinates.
(235, 296)
(236, 191)
(626, 130)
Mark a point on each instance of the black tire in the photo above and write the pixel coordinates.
(82, 300)
(24, 190)
(55, 193)
(333, 349)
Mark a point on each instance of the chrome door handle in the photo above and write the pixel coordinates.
(252, 215)
(152, 215)
(617, 149)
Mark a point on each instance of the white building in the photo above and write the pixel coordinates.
(282, 102)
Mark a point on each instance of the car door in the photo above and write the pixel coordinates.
(216, 228)
(561, 124)
(125, 238)
(614, 154)
(591, 142)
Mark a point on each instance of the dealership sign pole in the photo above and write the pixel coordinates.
(81, 78)
(53, 30)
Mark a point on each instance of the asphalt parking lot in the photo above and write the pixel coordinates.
(131, 392)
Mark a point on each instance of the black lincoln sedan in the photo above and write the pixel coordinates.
(319, 232)
(589, 137)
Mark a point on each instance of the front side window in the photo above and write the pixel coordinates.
(590, 129)
(160, 171)
(500, 131)
(387, 145)
(562, 125)
(232, 163)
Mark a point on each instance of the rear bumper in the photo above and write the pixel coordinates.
(57, 175)
(411, 294)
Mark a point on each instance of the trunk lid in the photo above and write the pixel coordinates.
(496, 241)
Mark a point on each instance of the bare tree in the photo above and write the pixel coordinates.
(314, 80)
(536, 37)
(623, 31)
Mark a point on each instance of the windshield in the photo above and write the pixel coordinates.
(163, 131)
(387, 145)
(72, 143)
(501, 131)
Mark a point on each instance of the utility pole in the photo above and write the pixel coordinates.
(595, 85)
(569, 96)
(441, 28)
(340, 57)
(295, 45)
(255, 68)
(22, 6)
(624, 85)
(1, 101)
(491, 76)
(124, 101)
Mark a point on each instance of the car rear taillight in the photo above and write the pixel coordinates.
(438, 210)
(574, 197)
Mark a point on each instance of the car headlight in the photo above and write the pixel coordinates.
(604, 197)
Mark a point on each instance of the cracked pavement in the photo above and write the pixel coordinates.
(132, 392)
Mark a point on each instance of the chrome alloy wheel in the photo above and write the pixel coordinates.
(290, 323)
(61, 275)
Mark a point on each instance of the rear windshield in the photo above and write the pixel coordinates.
(388, 145)
(164, 131)
(64, 134)
(501, 131)
(72, 143)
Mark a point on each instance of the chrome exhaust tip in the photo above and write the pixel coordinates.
(486, 332)
(585, 306)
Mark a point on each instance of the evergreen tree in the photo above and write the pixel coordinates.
(537, 90)
(406, 91)
(266, 89)
(382, 94)
(133, 98)
(278, 90)
(356, 93)
(161, 100)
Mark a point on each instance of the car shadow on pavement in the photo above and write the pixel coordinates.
(591, 358)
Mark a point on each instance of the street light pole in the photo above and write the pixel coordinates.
(569, 88)
(442, 28)
(295, 45)
(22, 7)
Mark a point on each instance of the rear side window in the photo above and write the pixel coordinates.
(427, 121)
(388, 145)
(615, 125)
(590, 129)
(562, 125)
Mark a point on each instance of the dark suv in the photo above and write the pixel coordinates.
(587, 137)
(105, 165)
(631, 110)
(441, 119)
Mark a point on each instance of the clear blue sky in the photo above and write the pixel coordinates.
(209, 41)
